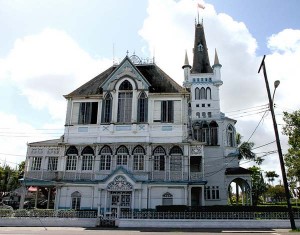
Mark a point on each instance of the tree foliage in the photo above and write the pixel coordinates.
(9, 178)
(271, 175)
(292, 158)
(259, 187)
(276, 193)
(245, 150)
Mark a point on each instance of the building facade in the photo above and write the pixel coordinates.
(135, 139)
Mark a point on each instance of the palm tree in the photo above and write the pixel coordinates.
(245, 150)
(271, 175)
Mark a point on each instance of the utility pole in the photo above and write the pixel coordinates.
(285, 183)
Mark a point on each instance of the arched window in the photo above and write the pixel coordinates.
(76, 200)
(122, 156)
(138, 158)
(107, 109)
(204, 133)
(197, 93)
(208, 93)
(142, 109)
(72, 155)
(230, 136)
(125, 102)
(159, 158)
(176, 150)
(105, 158)
(167, 199)
(72, 150)
(213, 126)
(87, 159)
(176, 159)
(202, 93)
(198, 114)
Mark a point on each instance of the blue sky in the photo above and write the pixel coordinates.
(50, 47)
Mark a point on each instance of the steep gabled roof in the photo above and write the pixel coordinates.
(201, 60)
(159, 81)
(92, 87)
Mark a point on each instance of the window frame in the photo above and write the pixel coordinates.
(36, 164)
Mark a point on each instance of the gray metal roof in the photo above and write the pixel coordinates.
(159, 81)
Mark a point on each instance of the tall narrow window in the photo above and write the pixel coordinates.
(142, 111)
(176, 159)
(125, 102)
(197, 93)
(202, 93)
(213, 126)
(204, 133)
(87, 159)
(52, 163)
(107, 109)
(36, 164)
(167, 111)
(208, 93)
(72, 154)
(230, 136)
(122, 156)
(76, 200)
(88, 112)
(105, 158)
(138, 158)
(159, 159)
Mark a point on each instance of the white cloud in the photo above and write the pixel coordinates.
(48, 65)
(169, 29)
(13, 138)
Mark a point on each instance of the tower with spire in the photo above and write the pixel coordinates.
(207, 124)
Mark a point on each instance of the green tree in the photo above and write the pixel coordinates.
(245, 150)
(271, 175)
(276, 193)
(259, 186)
(292, 158)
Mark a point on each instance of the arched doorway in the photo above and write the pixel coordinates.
(120, 195)
(239, 192)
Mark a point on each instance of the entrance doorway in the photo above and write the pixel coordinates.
(196, 196)
(120, 202)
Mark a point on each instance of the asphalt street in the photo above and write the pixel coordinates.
(150, 231)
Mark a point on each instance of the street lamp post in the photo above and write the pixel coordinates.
(285, 183)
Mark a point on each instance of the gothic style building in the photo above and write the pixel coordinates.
(135, 139)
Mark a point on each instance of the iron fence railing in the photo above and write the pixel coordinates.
(209, 215)
(149, 215)
(47, 213)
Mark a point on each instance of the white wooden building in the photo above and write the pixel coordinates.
(135, 139)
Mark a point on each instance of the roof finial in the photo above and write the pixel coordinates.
(127, 53)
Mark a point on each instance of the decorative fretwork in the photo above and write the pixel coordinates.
(37, 151)
(196, 150)
(53, 151)
(119, 184)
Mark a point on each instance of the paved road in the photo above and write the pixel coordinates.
(92, 231)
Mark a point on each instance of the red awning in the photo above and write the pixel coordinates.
(32, 189)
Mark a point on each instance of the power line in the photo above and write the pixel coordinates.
(257, 126)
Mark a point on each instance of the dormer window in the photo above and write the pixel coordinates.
(200, 47)
(125, 102)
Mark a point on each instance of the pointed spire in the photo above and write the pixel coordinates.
(201, 60)
(216, 58)
(186, 61)
(216, 62)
